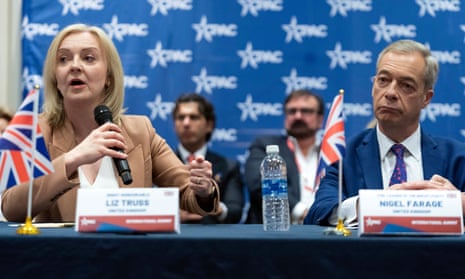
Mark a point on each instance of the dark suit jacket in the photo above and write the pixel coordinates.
(228, 176)
(257, 152)
(362, 170)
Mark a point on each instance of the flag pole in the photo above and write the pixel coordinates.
(28, 228)
(340, 229)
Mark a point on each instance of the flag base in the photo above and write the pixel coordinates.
(339, 229)
(28, 228)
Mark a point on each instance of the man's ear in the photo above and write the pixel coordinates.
(427, 97)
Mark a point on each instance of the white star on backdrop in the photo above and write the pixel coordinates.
(159, 108)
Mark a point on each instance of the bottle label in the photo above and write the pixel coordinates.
(274, 186)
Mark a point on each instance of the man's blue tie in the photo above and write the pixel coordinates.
(399, 174)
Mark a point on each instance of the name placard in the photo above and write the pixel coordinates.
(412, 212)
(128, 210)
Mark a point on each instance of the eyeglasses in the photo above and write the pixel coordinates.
(303, 111)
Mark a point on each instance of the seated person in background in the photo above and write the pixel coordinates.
(194, 122)
(83, 70)
(304, 112)
(403, 85)
(5, 118)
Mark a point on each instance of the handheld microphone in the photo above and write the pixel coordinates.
(102, 115)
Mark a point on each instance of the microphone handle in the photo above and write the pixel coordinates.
(102, 115)
(123, 169)
(122, 166)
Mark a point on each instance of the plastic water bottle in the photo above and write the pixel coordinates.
(275, 204)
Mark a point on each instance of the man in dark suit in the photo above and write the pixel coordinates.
(194, 121)
(403, 85)
(304, 112)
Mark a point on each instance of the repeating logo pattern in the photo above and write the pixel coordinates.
(247, 55)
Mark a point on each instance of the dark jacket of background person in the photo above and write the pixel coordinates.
(253, 178)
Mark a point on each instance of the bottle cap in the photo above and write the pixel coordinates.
(272, 149)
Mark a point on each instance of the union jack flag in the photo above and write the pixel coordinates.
(18, 148)
(333, 143)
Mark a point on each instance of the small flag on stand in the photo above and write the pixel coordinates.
(17, 146)
(333, 143)
(23, 155)
(333, 146)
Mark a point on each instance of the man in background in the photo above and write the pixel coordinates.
(194, 122)
(304, 113)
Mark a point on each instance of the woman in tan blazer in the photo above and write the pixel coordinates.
(83, 70)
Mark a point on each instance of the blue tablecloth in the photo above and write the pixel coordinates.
(227, 251)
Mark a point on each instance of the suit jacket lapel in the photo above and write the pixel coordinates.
(430, 156)
(368, 152)
(209, 157)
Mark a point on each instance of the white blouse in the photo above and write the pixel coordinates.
(105, 178)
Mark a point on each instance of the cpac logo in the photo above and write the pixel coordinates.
(163, 6)
(356, 109)
(254, 6)
(434, 110)
(343, 57)
(160, 108)
(29, 81)
(372, 222)
(344, 6)
(162, 56)
(433, 6)
(294, 82)
(88, 222)
(29, 30)
(139, 82)
(119, 30)
(298, 31)
(387, 31)
(208, 83)
(446, 57)
(73, 6)
(227, 135)
(254, 57)
(207, 31)
(253, 110)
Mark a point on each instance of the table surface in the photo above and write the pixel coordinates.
(228, 251)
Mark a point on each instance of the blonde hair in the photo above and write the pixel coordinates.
(114, 88)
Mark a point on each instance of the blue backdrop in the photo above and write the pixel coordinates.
(246, 55)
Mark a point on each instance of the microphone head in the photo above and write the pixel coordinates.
(102, 114)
